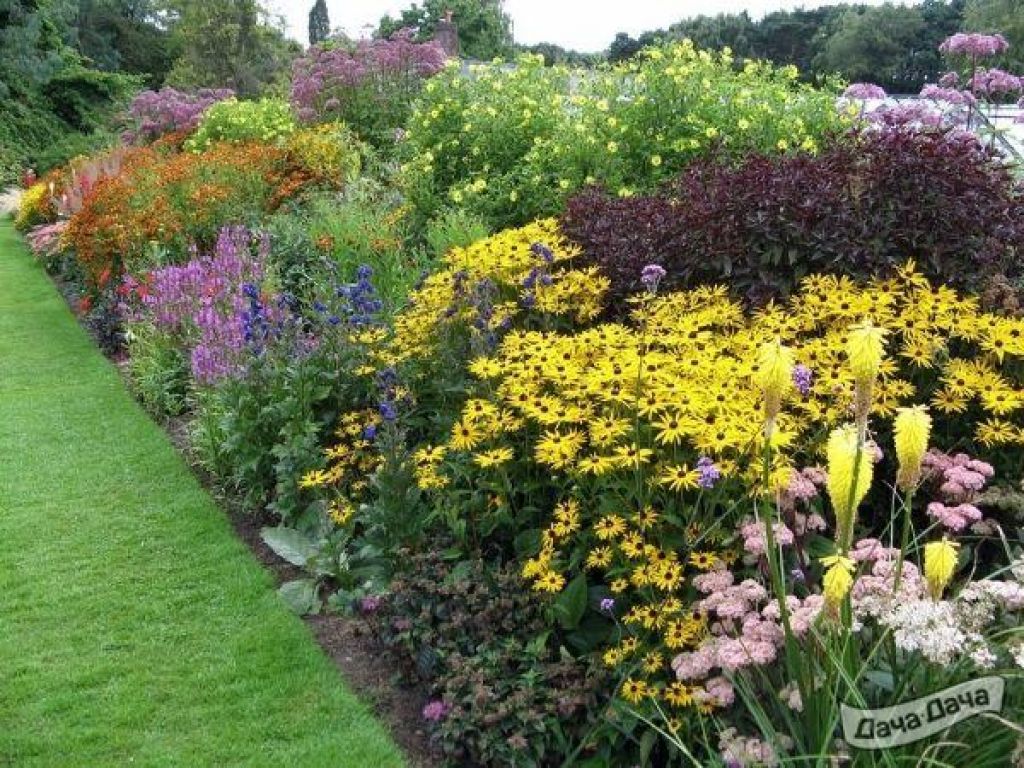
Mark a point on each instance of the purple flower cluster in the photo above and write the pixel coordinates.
(961, 479)
(212, 304)
(325, 78)
(651, 277)
(974, 44)
(864, 91)
(908, 114)
(708, 473)
(948, 95)
(156, 113)
(994, 82)
(802, 379)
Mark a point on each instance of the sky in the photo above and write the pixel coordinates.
(583, 25)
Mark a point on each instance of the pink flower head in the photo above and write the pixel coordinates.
(864, 91)
(974, 44)
(435, 711)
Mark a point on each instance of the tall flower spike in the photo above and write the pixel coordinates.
(865, 348)
(940, 558)
(838, 578)
(849, 477)
(774, 377)
(911, 427)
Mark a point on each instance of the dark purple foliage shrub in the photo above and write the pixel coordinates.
(156, 113)
(863, 206)
(369, 85)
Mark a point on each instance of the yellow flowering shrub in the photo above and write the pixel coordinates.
(488, 286)
(648, 437)
(34, 207)
(329, 151)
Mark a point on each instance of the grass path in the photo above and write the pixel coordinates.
(135, 629)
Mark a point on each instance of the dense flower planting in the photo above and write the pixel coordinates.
(511, 144)
(369, 85)
(238, 122)
(643, 415)
(156, 113)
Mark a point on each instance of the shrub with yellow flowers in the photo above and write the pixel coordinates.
(680, 456)
(511, 144)
(36, 206)
(329, 152)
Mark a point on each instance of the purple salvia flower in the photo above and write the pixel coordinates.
(802, 378)
(709, 474)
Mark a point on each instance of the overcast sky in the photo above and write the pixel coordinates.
(585, 25)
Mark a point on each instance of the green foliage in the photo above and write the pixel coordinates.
(1005, 17)
(510, 145)
(229, 43)
(267, 121)
(334, 235)
(485, 30)
(453, 228)
(892, 46)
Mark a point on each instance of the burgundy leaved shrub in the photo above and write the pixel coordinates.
(863, 206)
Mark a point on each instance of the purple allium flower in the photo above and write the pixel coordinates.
(864, 91)
(607, 605)
(651, 276)
(435, 711)
(802, 378)
(387, 411)
(709, 473)
(370, 431)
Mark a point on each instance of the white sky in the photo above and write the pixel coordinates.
(584, 25)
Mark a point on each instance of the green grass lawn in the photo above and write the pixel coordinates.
(135, 628)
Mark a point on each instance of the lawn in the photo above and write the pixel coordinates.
(134, 626)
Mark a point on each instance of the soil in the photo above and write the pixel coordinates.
(360, 659)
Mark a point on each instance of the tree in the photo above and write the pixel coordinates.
(1005, 17)
(883, 44)
(485, 30)
(319, 23)
(228, 44)
(623, 47)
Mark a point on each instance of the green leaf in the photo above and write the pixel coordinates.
(300, 595)
(572, 603)
(289, 544)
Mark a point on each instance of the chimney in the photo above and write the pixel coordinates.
(446, 35)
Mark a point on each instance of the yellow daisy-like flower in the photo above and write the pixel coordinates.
(549, 581)
(634, 691)
(314, 479)
(703, 561)
(679, 477)
(493, 458)
(678, 694)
